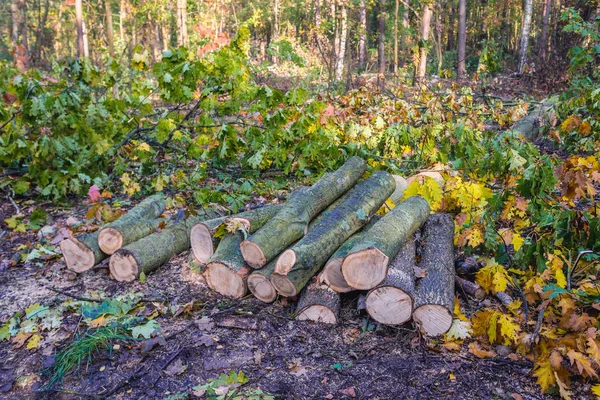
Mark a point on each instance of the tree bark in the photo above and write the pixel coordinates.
(182, 32)
(202, 235)
(79, 25)
(397, 6)
(81, 253)
(226, 271)
(391, 302)
(462, 39)
(434, 296)
(545, 24)
(152, 251)
(332, 272)
(362, 35)
(470, 288)
(20, 32)
(527, 12)
(259, 283)
(292, 220)
(109, 28)
(343, 34)
(366, 264)
(318, 303)
(381, 44)
(298, 264)
(139, 222)
(451, 24)
(425, 25)
(275, 28)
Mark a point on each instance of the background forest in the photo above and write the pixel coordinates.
(236, 102)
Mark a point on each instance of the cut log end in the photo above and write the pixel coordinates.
(253, 254)
(202, 243)
(332, 276)
(283, 285)
(226, 281)
(365, 269)
(317, 313)
(78, 257)
(110, 240)
(285, 262)
(124, 267)
(389, 305)
(262, 288)
(432, 319)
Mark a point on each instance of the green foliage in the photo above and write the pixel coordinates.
(228, 386)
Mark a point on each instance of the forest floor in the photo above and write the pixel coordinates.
(209, 335)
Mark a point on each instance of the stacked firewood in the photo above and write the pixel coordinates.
(324, 240)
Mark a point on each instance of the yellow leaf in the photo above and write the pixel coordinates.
(144, 146)
(493, 278)
(476, 350)
(98, 322)
(561, 279)
(544, 374)
(34, 341)
(517, 241)
(585, 128)
(593, 350)
(582, 363)
(430, 190)
(562, 388)
(596, 390)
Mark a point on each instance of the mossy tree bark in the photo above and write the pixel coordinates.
(391, 302)
(226, 271)
(318, 303)
(140, 221)
(332, 272)
(202, 237)
(367, 261)
(154, 250)
(291, 222)
(434, 296)
(298, 264)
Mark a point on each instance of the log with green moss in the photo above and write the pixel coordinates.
(291, 222)
(259, 283)
(367, 261)
(152, 251)
(318, 303)
(202, 236)
(298, 264)
(82, 252)
(391, 302)
(332, 271)
(140, 221)
(434, 295)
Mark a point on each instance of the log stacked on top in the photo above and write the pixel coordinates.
(325, 240)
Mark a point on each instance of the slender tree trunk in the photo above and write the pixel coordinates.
(275, 30)
(405, 27)
(14, 13)
(19, 32)
(504, 27)
(397, 6)
(381, 44)
(362, 35)
(182, 34)
(110, 35)
(462, 38)
(451, 23)
(527, 13)
(341, 52)
(86, 45)
(122, 19)
(425, 25)
(545, 24)
(438, 42)
(79, 24)
(39, 38)
(317, 13)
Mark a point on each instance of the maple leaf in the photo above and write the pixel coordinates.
(94, 193)
(459, 330)
(582, 363)
(596, 390)
(493, 278)
(34, 342)
(544, 374)
(479, 352)
(562, 388)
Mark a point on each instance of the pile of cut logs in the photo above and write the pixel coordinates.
(324, 240)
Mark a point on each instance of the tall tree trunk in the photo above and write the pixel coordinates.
(362, 35)
(462, 38)
(545, 24)
(79, 24)
(451, 23)
(39, 37)
(438, 42)
(504, 26)
(86, 45)
(381, 44)
(20, 32)
(122, 19)
(405, 27)
(341, 51)
(14, 13)
(317, 13)
(425, 24)
(397, 6)
(110, 35)
(527, 12)
(275, 30)
(182, 34)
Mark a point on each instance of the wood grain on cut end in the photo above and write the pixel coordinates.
(317, 313)
(285, 262)
(262, 288)
(110, 240)
(365, 269)
(201, 242)
(253, 254)
(226, 281)
(78, 257)
(332, 276)
(123, 267)
(389, 305)
(433, 319)
(283, 285)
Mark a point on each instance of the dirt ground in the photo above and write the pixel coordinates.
(283, 357)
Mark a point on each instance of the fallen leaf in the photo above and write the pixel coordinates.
(62, 234)
(177, 367)
(204, 324)
(147, 345)
(34, 341)
(349, 391)
(94, 194)
(420, 272)
(20, 339)
(479, 352)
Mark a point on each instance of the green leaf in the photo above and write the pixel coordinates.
(142, 277)
(146, 330)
